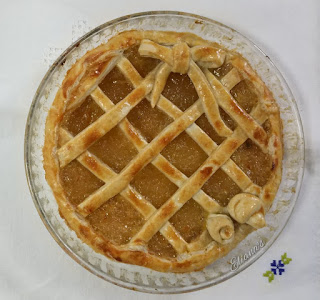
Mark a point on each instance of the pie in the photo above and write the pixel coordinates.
(163, 150)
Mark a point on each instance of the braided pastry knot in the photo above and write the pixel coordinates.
(220, 228)
(247, 208)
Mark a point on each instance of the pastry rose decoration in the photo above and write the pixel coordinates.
(220, 228)
(247, 208)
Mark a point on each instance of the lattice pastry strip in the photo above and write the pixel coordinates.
(194, 131)
(105, 173)
(196, 181)
(104, 124)
(160, 162)
(163, 165)
(102, 194)
(168, 231)
(95, 200)
(174, 175)
(145, 156)
(198, 135)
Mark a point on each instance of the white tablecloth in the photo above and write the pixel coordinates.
(33, 33)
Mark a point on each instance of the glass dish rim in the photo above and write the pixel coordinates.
(42, 214)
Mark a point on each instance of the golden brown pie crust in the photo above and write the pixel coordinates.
(184, 53)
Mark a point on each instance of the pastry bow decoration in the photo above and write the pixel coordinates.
(182, 59)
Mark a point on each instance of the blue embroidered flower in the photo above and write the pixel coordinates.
(277, 267)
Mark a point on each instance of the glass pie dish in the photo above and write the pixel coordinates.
(136, 277)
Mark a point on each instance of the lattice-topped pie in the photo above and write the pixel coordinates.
(163, 150)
